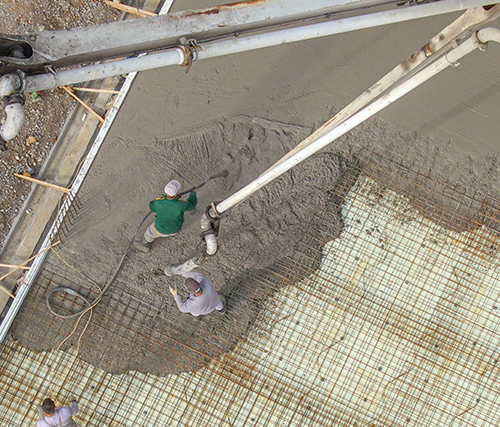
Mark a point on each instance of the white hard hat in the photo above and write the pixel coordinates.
(172, 188)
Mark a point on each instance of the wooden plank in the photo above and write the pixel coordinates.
(45, 184)
(132, 10)
(14, 266)
(3, 288)
(83, 103)
(89, 89)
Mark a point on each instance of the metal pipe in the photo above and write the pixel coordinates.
(118, 39)
(479, 40)
(11, 86)
(460, 28)
(107, 69)
(13, 122)
(209, 235)
(246, 43)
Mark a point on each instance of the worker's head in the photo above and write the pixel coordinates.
(172, 188)
(48, 406)
(192, 285)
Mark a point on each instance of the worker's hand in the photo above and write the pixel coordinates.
(173, 290)
(73, 399)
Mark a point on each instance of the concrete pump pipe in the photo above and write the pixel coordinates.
(478, 40)
(178, 56)
(245, 43)
(11, 86)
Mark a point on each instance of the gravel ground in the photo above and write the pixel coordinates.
(44, 119)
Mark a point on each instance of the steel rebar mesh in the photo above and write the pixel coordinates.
(395, 323)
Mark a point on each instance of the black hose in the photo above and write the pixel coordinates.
(101, 294)
(222, 174)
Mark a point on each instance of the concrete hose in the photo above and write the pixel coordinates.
(101, 294)
(209, 232)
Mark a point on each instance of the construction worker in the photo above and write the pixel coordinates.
(57, 417)
(203, 298)
(169, 215)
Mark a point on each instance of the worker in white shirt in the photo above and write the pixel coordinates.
(203, 298)
(57, 417)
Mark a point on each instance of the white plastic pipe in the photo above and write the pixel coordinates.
(13, 122)
(9, 85)
(247, 43)
(450, 59)
(210, 239)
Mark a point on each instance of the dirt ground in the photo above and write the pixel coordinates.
(45, 118)
(242, 114)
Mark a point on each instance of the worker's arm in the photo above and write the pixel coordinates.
(184, 306)
(74, 407)
(192, 201)
(152, 207)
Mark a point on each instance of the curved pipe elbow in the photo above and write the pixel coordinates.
(13, 122)
(210, 239)
(211, 242)
(489, 34)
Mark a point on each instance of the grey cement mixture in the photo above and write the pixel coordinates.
(242, 114)
(137, 326)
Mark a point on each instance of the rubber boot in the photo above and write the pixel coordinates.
(223, 310)
(143, 246)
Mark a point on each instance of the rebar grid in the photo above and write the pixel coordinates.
(395, 323)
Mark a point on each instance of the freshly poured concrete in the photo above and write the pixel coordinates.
(447, 128)
(399, 326)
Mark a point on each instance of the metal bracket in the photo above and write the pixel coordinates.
(480, 45)
(190, 47)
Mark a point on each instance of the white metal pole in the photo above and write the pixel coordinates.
(450, 59)
(246, 43)
(460, 28)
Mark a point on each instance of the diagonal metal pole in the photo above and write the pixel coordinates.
(460, 28)
(478, 40)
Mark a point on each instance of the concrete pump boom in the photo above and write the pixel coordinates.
(32, 52)
(196, 35)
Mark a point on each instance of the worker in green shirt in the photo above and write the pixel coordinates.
(169, 215)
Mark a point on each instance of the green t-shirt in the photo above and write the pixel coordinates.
(170, 212)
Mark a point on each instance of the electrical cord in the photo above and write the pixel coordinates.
(89, 304)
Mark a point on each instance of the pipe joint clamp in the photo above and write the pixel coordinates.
(211, 213)
(480, 45)
(16, 98)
